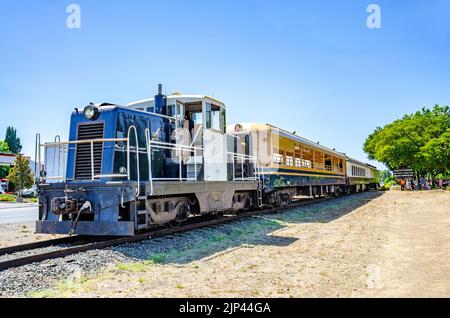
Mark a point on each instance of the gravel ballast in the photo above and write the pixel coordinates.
(179, 248)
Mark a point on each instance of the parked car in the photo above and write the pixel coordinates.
(30, 193)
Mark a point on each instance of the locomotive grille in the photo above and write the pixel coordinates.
(83, 168)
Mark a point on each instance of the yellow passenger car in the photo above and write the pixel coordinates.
(291, 164)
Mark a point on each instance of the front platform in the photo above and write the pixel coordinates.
(86, 228)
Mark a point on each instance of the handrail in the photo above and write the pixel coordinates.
(162, 143)
(149, 158)
(87, 141)
(132, 127)
(196, 135)
(244, 157)
(92, 161)
(37, 158)
(57, 139)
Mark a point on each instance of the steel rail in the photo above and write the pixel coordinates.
(40, 244)
(132, 239)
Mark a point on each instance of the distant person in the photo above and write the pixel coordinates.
(402, 184)
(408, 184)
(422, 182)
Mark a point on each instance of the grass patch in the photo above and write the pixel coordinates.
(7, 198)
(157, 258)
(179, 286)
(220, 238)
(62, 289)
(46, 293)
(132, 267)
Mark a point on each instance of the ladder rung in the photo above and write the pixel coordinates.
(141, 226)
(140, 212)
(142, 197)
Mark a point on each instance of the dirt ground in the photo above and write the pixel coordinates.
(21, 233)
(393, 244)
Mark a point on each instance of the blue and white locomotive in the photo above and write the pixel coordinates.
(134, 167)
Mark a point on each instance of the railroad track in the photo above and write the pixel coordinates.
(86, 243)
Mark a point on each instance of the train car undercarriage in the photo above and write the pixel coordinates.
(112, 208)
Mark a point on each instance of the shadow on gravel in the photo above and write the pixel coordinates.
(329, 211)
(199, 244)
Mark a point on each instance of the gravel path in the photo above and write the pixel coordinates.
(175, 249)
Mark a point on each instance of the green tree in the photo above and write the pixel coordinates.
(419, 141)
(4, 171)
(20, 174)
(4, 146)
(385, 175)
(12, 140)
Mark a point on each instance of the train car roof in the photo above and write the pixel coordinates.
(370, 166)
(182, 98)
(307, 141)
(360, 162)
(303, 140)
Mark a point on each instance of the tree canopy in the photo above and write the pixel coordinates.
(12, 140)
(420, 141)
(20, 174)
(4, 146)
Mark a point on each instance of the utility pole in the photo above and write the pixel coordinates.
(19, 198)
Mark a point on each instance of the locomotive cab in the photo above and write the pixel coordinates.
(200, 123)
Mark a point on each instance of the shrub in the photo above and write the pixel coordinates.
(388, 185)
(7, 198)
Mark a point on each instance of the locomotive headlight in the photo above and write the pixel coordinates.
(91, 112)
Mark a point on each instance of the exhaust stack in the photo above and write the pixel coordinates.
(160, 102)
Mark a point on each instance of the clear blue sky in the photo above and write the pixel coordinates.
(309, 66)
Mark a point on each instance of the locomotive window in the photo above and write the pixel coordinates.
(197, 118)
(213, 118)
(208, 115)
(174, 110)
(223, 121)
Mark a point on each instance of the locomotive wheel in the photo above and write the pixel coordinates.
(174, 223)
(248, 204)
(182, 215)
(219, 215)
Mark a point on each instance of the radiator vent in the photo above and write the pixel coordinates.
(83, 169)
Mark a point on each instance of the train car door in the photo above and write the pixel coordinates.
(214, 142)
